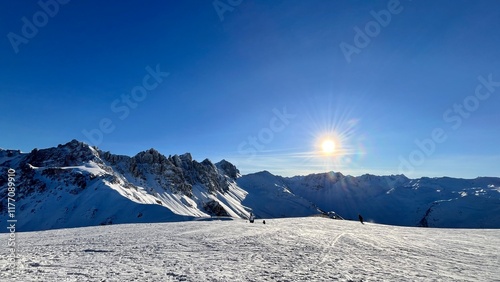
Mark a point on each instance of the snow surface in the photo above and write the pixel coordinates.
(293, 249)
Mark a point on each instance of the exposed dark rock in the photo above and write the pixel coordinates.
(73, 153)
(214, 208)
(228, 169)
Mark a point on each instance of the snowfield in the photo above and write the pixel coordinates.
(293, 249)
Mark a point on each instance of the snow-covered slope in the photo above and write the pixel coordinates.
(269, 197)
(77, 185)
(74, 185)
(395, 199)
(298, 249)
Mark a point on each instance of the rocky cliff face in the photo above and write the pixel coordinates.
(176, 174)
(178, 183)
(30, 178)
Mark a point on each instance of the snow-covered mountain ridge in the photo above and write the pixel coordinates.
(74, 185)
(398, 200)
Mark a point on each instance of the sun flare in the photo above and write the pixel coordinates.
(328, 146)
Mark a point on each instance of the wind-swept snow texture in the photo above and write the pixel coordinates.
(299, 249)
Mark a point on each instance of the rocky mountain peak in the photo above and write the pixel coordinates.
(228, 169)
(149, 157)
(73, 153)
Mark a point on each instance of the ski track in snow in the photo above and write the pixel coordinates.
(297, 249)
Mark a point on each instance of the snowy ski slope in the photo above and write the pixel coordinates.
(293, 249)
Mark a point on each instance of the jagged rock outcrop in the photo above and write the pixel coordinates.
(70, 154)
(228, 169)
(178, 183)
(176, 173)
(215, 208)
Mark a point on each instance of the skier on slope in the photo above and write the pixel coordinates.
(360, 218)
(252, 218)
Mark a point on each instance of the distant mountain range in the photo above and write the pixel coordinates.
(75, 185)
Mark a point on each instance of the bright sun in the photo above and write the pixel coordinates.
(328, 146)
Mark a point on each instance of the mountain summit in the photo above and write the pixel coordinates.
(74, 185)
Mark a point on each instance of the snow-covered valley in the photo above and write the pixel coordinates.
(293, 249)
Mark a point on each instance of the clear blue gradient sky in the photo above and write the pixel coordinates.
(400, 86)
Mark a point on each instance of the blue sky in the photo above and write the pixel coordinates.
(407, 87)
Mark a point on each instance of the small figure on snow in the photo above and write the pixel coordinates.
(264, 221)
(252, 218)
(360, 218)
